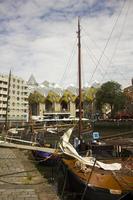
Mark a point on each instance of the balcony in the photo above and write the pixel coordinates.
(3, 98)
(3, 85)
(3, 92)
(2, 112)
(3, 105)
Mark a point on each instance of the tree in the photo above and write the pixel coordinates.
(89, 94)
(68, 96)
(110, 93)
(34, 100)
(53, 97)
(89, 101)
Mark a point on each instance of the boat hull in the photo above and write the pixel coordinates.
(46, 158)
(79, 190)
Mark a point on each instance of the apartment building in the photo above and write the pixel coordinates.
(129, 101)
(18, 98)
(3, 95)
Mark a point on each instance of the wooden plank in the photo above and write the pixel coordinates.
(19, 140)
(34, 148)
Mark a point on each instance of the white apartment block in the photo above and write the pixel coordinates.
(18, 98)
(3, 95)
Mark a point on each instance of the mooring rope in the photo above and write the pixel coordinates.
(84, 192)
(65, 180)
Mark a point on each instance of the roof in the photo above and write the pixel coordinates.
(32, 81)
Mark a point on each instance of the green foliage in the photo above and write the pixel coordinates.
(68, 96)
(110, 93)
(89, 94)
(53, 97)
(36, 97)
(119, 102)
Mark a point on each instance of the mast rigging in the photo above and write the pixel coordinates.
(79, 81)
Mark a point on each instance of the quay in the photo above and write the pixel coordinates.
(20, 179)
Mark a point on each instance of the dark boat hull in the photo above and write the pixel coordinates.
(73, 185)
(46, 158)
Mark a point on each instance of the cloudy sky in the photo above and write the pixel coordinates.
(39, 37)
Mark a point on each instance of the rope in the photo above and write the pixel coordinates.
(116, 46)
(12, 183)
(19, 172)
(124, 196)
(116, 178)
(64, 183)
(14, 173)
(83, 195)
(68, 63)
(107, 42)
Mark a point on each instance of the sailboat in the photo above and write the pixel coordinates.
(88, 178)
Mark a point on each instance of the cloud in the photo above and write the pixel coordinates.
(37, 37)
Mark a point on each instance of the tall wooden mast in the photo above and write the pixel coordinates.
(79, 73)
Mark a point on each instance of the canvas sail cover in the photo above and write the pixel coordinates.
(68, 149)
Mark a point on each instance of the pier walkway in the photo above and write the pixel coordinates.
(19, 178)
